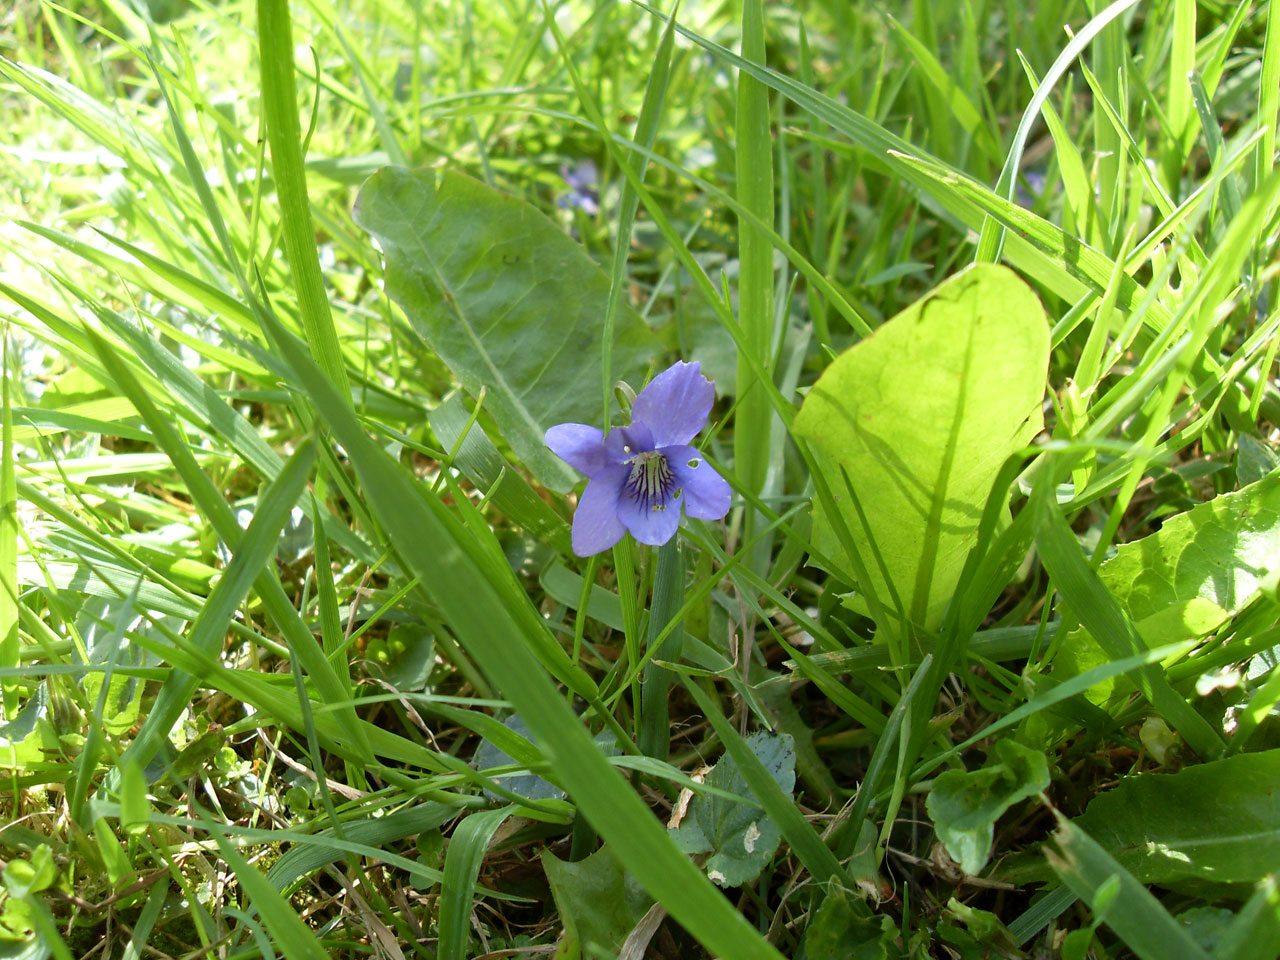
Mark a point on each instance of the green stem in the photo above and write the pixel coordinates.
(668, 598)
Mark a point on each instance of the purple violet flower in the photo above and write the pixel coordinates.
(582, 180)
(640, 476)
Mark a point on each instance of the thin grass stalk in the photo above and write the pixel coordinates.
(754, 167)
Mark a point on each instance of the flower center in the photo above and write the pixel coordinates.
(651, 480)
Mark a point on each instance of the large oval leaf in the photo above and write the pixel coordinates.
(506, 299)
(920, 416)
(1214, 821)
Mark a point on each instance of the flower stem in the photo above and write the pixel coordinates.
(668, 598)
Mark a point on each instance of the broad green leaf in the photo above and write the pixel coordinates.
(769, 789)
(25, 740)
(1197, 571)
(1206, 925)
(1220, 551)
(1214, 821)
(965, 805)
(407, 656)
(509, 302)
(740, 837)
(25, 877)
(530, 785)
(598, 901)
(18, 937)
(1104, 618)
(919, 417)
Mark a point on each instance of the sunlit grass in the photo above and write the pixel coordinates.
(294, 655)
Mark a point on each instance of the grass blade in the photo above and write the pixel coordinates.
(1131, 911)
(1099, 613)
(462, 863)
(9, 640)
(284, 133)
(754, 421)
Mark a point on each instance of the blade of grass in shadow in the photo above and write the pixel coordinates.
(1041, 913)
(1217, 148)
(452, 570)
(654, 735)
(880, 755)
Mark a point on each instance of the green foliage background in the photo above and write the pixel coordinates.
(295, 659)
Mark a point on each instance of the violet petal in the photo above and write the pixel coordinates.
(579, 445)
(647, 524)
(623, 443)
(596, 524)
(675, 404)
(707, 495)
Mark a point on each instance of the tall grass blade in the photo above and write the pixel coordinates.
(452, 569)
(284, 133)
